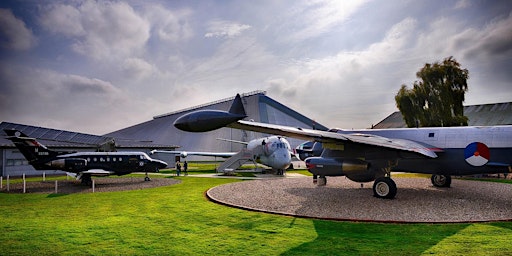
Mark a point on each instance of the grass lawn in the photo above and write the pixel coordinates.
(179, 220)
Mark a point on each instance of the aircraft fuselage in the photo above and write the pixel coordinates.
(460, 150)
(273, 151)
(115, 162)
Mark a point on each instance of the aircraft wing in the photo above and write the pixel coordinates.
(333, 137)
(189, 153)
(97, 172)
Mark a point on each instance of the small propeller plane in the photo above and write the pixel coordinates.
(372, 154)
(84, 164)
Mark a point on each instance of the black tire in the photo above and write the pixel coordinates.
(441, 181)
(321, 181)
(86, 180)
(384, 187)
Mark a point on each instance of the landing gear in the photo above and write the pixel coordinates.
(86, 180)
(384, 187)
(441, 181)
(147, 178)
(322, 181)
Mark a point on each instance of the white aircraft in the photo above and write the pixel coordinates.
(273, 151)
(371, 155)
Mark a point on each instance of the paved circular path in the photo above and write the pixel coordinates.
(417, 200)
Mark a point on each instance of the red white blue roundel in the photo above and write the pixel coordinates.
(477, 154)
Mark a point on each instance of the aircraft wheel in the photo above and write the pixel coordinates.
(441, 181)
(322, 181)
(86, 180)
(147, 177)
(384, 187)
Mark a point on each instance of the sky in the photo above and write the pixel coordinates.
(100, 66)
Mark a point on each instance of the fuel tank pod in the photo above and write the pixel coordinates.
(206, 120)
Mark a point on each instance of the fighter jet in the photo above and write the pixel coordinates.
(84, 164)
(372, 154)
(273, 151)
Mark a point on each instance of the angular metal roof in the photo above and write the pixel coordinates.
(258, 106)
(478, 115)
(61, 138)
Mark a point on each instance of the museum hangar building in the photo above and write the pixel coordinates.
(160, 133)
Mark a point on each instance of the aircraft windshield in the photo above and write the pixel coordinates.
(144, 156)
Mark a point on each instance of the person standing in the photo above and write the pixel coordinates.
(178, 168)
(185, 168)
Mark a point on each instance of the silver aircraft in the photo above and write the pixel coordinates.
(371, 155)
(273, 151)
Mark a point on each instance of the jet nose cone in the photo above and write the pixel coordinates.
(182, 123)
(283, 160)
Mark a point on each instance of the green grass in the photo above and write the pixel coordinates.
(303, 172)
(179, 220)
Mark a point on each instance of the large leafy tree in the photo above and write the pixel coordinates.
(436, 98)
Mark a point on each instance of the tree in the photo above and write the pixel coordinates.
(436, 99)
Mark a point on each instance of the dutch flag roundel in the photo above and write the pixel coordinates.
(477, 154)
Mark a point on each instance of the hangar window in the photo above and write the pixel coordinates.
(16, 162)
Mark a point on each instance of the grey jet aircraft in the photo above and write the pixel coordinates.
(272, 151)
(372, 154)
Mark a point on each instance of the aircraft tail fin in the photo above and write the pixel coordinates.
(35, 152)
(237, 107)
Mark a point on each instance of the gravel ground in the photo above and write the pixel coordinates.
(100, 185)
(416, 201)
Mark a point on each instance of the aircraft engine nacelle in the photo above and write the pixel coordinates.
(206, 120)
(68, 163)
(355, 169)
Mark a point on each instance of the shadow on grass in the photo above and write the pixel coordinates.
(348, 238)
(56, 195)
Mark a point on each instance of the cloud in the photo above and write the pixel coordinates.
(14, 34)
(83, 85)
(494, 41)
(170, 25)
(351, 78)
(136, 68)
(462, 4)
(313, 18)
(63, 101)
(100, 30)
(223, 28)
(64, 19)
(340, 62)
